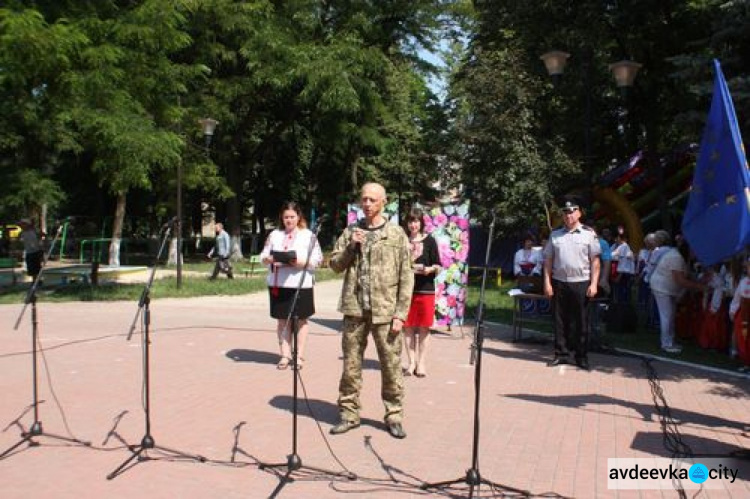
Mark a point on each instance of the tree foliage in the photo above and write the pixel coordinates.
(585, 123)
(101, 100)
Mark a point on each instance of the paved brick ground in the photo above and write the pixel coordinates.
(215, 392)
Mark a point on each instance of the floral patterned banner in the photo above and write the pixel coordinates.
(448, 223)
(354, 213)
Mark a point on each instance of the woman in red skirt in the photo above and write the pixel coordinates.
(426, 263)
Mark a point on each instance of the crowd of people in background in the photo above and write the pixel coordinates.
(667, 288)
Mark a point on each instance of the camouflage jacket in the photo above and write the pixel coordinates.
(390, 278)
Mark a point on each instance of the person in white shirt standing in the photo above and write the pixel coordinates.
(286, 253)
(668, 281)
(625, 268)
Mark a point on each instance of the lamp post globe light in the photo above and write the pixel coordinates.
(624, 73)
(555, 62)
(208, 127)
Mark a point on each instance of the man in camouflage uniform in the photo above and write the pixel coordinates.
(378, 280)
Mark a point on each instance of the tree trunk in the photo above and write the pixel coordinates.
(114, 245)
(234, 210)
(172, 260)
(236, 253)
(43, 219)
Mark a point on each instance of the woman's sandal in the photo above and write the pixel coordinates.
(300, 364)
(283, 363)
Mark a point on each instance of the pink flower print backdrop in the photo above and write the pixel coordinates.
(448, 223)
(354, 213)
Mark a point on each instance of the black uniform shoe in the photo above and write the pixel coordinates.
(343, 427)
(583, 363)
(396, 430)
(558, 361)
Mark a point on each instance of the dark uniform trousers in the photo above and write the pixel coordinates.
(354, 343)
(570, 310)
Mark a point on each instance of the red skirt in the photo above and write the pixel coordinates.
(421, 311)
(688, 316)
(741, 334)
(713, 329)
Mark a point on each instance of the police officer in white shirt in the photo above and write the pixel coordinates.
(571, 274)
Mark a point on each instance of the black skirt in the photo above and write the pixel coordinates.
(281, 302)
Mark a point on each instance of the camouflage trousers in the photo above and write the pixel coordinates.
(353, 342)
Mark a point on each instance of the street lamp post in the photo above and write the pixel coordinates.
(208, 126)
(624, 73)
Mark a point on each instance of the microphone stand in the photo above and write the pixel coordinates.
(473, 478)
(294, 461)
(148, 442)
(36, 429)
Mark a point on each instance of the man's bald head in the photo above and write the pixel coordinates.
(374, 187)
(372, 202)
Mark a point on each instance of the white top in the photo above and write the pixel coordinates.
(625, 259)
(299, 240)
(653, 259)
(571, 252)
(661, 279)
(742, 291)
(714, 295)
(531, 258)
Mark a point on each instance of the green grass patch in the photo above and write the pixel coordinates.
(161, 288)
(498, 307)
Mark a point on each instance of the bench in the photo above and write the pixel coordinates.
(10, 263)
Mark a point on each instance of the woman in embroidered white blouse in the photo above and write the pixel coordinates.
(292, 254)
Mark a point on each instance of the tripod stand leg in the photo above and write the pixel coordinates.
(36, 431)
(177, 453)
(25, 438)
(137, 451)
(472, 479)
(294, 463)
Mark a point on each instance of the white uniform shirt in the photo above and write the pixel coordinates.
(571, 252)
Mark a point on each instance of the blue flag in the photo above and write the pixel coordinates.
(717, 217)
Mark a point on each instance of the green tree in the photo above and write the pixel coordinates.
(33, 57)
(585, 118)
(124, 97)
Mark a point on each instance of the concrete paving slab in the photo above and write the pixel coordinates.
(215, 392)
